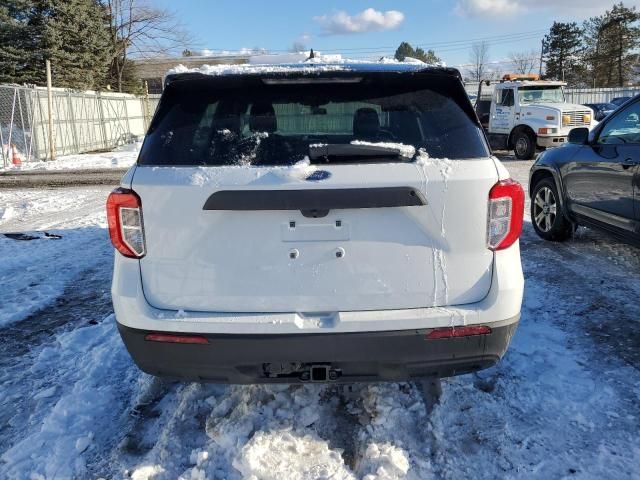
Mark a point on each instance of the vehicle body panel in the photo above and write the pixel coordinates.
(596, 179)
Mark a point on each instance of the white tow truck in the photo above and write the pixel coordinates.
(527, 113)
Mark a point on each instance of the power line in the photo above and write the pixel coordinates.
(379, 53)
(440, 46)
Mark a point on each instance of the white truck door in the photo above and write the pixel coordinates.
(503, 111)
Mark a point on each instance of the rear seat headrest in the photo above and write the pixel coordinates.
(262, 118)
(366, 123)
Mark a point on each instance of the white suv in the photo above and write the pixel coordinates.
(316, 223)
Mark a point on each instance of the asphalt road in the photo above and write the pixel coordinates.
(60, 178)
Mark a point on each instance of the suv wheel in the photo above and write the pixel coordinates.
(524, 145)
(547, 216)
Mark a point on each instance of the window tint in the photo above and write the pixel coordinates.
(624, 126)
(278, 124)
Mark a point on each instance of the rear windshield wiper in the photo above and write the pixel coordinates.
(339, 150)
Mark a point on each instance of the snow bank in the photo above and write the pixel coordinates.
(282, 454)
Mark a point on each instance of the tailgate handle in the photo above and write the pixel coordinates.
(315, 203)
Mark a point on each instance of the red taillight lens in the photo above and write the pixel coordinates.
(451, 332)
(506, 212)
(124, 215)
(172, 338)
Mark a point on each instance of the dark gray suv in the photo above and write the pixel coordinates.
(594, 180)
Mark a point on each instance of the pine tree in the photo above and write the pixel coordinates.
(564, 48)
(15, 40)
(77, 42)
(406, 50)
(73, 34)
(611, 40)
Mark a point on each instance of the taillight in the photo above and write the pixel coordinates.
(506, 212)
(124, 214)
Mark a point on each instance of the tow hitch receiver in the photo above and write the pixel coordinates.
(305, 372)
(320, 373)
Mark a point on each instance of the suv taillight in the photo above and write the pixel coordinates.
(124, 214)
(506, 211)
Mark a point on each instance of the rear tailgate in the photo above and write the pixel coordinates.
(251, 230)
(350, 259)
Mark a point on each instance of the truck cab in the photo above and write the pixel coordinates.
(527, 114)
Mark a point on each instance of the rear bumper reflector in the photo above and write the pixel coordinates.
(450, 332)
(170, 338)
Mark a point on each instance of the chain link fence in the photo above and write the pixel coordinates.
(598, 95)
(80, 121)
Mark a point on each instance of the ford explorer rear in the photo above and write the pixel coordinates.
(316, 223)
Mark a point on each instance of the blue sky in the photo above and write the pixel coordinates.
(328, 26)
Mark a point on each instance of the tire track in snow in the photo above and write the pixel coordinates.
(83, 381)
(23, 380)
(601, 295)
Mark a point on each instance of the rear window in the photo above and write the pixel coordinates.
(251, 122)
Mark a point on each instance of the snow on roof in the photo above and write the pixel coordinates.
(301, 63)
(227, 69)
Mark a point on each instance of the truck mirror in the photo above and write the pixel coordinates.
(579, 136)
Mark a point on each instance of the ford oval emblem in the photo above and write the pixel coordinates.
(318, 175)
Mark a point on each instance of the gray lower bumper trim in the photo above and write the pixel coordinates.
(363, 356)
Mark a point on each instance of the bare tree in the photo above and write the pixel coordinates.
(141, 30)
(524, 62)
(478, 58)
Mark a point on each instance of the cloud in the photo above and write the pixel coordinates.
(368, 20)
(487, 8)
(576, 9)
(230, 53)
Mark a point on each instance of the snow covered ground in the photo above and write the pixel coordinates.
(564, 403)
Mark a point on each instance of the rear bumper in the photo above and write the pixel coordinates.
(503, 301)
(348, 357)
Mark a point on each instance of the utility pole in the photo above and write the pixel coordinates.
(541, 56)
(52, 143)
